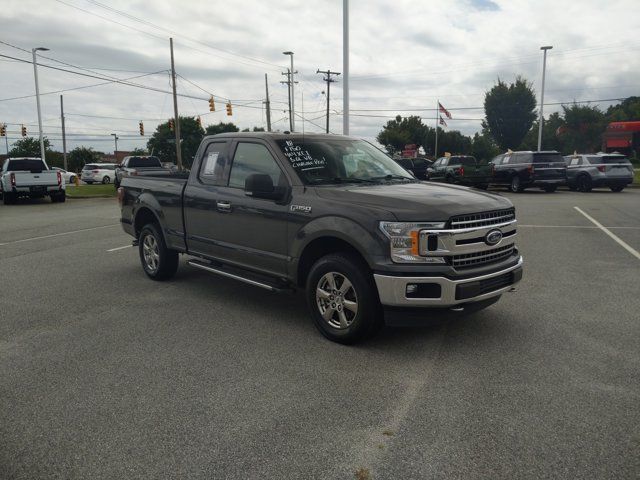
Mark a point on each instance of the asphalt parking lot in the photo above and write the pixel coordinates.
(105, 374)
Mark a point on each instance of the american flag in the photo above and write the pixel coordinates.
(443, 110)
(442, 122)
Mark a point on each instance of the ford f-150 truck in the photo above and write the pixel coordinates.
(332, 215)
(30, 177)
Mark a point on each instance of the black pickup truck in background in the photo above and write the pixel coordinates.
(461, 169)
(520, 170)
(331, 215)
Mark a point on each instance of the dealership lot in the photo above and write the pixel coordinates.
(106, 374)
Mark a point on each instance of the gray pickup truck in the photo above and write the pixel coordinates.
(332, 215)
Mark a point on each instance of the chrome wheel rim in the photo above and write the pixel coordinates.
(515, 184)
(150, 253)
(337, 300)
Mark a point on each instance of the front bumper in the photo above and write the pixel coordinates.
(445, 292)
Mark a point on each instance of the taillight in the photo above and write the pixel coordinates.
(461, 171)
(602, 168)
(95, 171)
(59, 178)
(120, 196)
(12, 179)
(530, 169)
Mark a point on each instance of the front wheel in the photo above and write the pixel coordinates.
(158, 261)
(584, 183)
(106, 179)
(342, 299)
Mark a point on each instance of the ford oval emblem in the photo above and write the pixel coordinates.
(493, 237)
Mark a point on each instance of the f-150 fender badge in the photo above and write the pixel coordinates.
(300, 208)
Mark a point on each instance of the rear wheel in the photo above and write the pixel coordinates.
(106, 179)
(550, 188)
(617, 188)
(516, 185)
(583, 183)
(483, 186)
(8, 198)
(342, 299)
(158, 261)
(72, 180)
(450, 179)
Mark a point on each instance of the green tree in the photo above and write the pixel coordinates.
(255, 129)
(29, 147)
(552, 135)
(402, 131)
(221, 128)
(509, 112)
(483, 148)
(163, 141)
(628, 110)
(584, 126)
(80, 156)
(138, 151)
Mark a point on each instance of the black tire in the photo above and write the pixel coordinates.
(62, 197)
(516, 186)
(450, 179)
(88, 183)
(617, 188)
(106, 180)
(341, 323)
(483, 186)
(550, 188)
(573, 188)
(158, 261)
(72, 180)
(583, 183)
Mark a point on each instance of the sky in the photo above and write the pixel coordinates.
(405, 55)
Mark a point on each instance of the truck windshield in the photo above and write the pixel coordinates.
(25, 165)
(331, 161)
(141, 162)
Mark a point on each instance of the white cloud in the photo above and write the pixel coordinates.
(404, 55)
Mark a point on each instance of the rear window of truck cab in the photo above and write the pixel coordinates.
(26, 165)
(141, 162)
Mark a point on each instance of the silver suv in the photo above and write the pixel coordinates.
(591, 170)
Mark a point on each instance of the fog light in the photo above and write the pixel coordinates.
(411, 288)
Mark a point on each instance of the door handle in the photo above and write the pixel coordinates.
(223, 206)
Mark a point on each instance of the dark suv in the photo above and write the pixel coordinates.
(520, 170)
(461, 169)
(588, 170)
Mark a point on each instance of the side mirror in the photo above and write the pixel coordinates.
(260, 185)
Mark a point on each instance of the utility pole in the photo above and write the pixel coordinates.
(115, 152)
(345, 67)
(544, 71)
(329, 81)
(176, 118)
(293, 97)
(64, 136)
(35, 74)
(435, 150)
(267, 103)
(288, 82)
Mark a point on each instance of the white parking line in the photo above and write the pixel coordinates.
(119, 248)
(58, 234)
(620, 242)
(577, 226)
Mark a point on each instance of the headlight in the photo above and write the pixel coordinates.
(404, 239)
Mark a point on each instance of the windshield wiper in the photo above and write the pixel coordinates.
(335, 180)
(391, 177)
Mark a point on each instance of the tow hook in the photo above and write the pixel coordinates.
(457, 309)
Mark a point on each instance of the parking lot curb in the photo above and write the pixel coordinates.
(80, 197)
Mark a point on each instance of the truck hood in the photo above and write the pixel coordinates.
(420, 201)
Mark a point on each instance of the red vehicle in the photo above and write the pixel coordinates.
(623, 137)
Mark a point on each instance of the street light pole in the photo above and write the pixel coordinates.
(293, 103)
(35, 74)
(115, 152)
(544, 71)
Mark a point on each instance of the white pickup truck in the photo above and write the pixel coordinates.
(30, 177)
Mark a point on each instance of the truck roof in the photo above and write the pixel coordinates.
(283, 136)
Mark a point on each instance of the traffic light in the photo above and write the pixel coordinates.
(141, 125)
(229, 111)
(24, 131)
(171, 125)
(199, 122)
(212, 104)
(3, 130)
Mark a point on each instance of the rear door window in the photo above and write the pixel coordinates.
(213, 164)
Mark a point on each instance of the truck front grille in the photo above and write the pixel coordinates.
(484, 219)
(480, 258)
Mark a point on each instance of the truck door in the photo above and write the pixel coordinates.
(246, 231)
